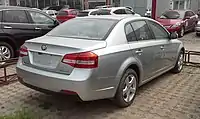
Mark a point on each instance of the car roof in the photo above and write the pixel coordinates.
(17, 8)
(115, 8)
(111, 17)
(89, 10)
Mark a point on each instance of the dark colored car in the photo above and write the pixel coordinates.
(66, 14)
(179, 21)
(19, 24)
(56, 8)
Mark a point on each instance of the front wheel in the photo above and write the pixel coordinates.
(179, 64)
(127, 89)
(181, 32)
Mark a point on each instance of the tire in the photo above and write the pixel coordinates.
(126, 94)
(3, 54)
(197, 34)
(181, 32)
(179, 63)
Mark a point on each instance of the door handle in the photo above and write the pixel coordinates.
(139, 52)
(7, 27)
(37, 28)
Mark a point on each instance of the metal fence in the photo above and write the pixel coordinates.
(8, 73)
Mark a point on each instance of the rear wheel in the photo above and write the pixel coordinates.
(6, 51)
(127, 89)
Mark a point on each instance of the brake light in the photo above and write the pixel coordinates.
(23, 51)
(81, 60)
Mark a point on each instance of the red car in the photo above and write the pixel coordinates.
(66, 14)
(179, 21)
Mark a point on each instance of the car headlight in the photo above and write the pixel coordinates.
(176, 25)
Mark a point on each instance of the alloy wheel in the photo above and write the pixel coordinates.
(5, 53)
(129, 89)
(180, 62)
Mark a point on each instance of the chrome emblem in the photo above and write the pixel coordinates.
(44, 47)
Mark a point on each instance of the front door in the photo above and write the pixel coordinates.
(144, 48)
(42, 23)
(167, 47)
(16, 24)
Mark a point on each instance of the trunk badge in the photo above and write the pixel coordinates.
(44, 47)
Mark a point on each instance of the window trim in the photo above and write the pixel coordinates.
(3, 16)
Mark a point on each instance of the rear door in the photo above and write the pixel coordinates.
(41, 22)
(144, 47)
(16, 24)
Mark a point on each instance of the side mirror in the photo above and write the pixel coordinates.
(173, 35)
(56, 23)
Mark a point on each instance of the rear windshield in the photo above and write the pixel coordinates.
(172, 15)
(62, 13)
(101, 12)
(83, 14)
(91, 29)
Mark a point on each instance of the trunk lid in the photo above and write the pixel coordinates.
(47, 52)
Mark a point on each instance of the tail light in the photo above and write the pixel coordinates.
(81, 60)
(23, 51)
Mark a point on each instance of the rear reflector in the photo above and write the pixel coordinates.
(23, 51)
(68, 92)
(81, 60)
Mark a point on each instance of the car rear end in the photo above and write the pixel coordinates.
(64, 64)
(64, 15)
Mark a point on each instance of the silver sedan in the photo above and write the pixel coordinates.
(100, 57)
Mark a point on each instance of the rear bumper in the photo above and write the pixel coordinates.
(86, 87)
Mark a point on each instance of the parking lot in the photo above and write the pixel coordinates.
(171, 96)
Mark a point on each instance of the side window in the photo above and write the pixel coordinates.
(15, 16)
(119, 11)
(187, 14)
(39, 18)
(130, 35)
(142, 30)
(159, 32)
(128, 11)
(191, 13)
(1, 15)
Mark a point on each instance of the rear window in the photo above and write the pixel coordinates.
(83, 14)
(173, 15)
(101, 12)
(91, 29)
(62, 13)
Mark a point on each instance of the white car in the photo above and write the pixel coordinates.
(119, 11)
(51, 13)
(87, 12)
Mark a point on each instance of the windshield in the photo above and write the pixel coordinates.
(173, 15)
(91, 29)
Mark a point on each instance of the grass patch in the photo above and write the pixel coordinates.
(22, 114)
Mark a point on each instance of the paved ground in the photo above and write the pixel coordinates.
(171, 96)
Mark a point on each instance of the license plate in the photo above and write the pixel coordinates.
(45, 59)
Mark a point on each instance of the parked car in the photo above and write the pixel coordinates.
(102, 57)
(57, 8)
(19, 24)
(112, 11)
(51, 13)
(87, 12)
(197, 29)
(179, 21)
(66, 14)
(104, 6)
